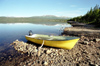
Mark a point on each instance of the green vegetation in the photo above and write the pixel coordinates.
(91, 17)
(35, 19)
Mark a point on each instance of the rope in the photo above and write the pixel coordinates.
(40, 48)
(42, 44)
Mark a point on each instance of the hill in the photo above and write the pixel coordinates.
(54, 17)
(33, 19)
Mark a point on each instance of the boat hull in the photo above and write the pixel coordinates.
(65, 44)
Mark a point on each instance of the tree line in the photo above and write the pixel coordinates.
(91, 17)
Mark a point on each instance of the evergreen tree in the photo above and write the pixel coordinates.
(91, 17)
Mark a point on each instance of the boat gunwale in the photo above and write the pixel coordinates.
(48, 39)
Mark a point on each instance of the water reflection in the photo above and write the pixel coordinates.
(12, 31)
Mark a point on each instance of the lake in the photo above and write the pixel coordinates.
(9, 32)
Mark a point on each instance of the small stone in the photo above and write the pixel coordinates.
(45, 63)
(86, 39)
(39, 52)
(82, 36)
(16, 39)
(28, 47)
(96, 65)
(22, 53)
(51, 61)
(64, 35)
(33, 62)
(96, 40)
(29, 64)
(35, 50)
(60, 53)
(86, 42)
(21, 63)
(51, 55)
(91, 41)
(48, 51)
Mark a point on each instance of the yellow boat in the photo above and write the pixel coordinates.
(65, 42)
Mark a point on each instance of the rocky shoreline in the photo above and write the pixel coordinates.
(86, 52)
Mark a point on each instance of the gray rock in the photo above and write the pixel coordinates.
(29, 63)
(45, 63)
(86, 42)
(21, 63)
(35, 50)
(16, 40)
(48, 51)
(39, 53)
(28, 47)
(82, 36)
(96, 40)
(96, 65)
(51, 55)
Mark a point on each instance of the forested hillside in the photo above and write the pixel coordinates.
(91, 17)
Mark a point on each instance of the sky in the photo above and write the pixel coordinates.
(29, 8)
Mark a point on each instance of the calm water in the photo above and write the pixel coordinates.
(11, 31)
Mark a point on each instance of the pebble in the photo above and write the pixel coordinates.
(35, 50)
(21, 63)
(82, 36)
(86, 42)
(39, 53)
(48, 51)
(45, 63)
(96, 65)
(16, 40)
(28, 47)
(96, 40)
(51, 55)
(29, 63)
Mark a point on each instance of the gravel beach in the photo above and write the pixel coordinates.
(86, 52)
